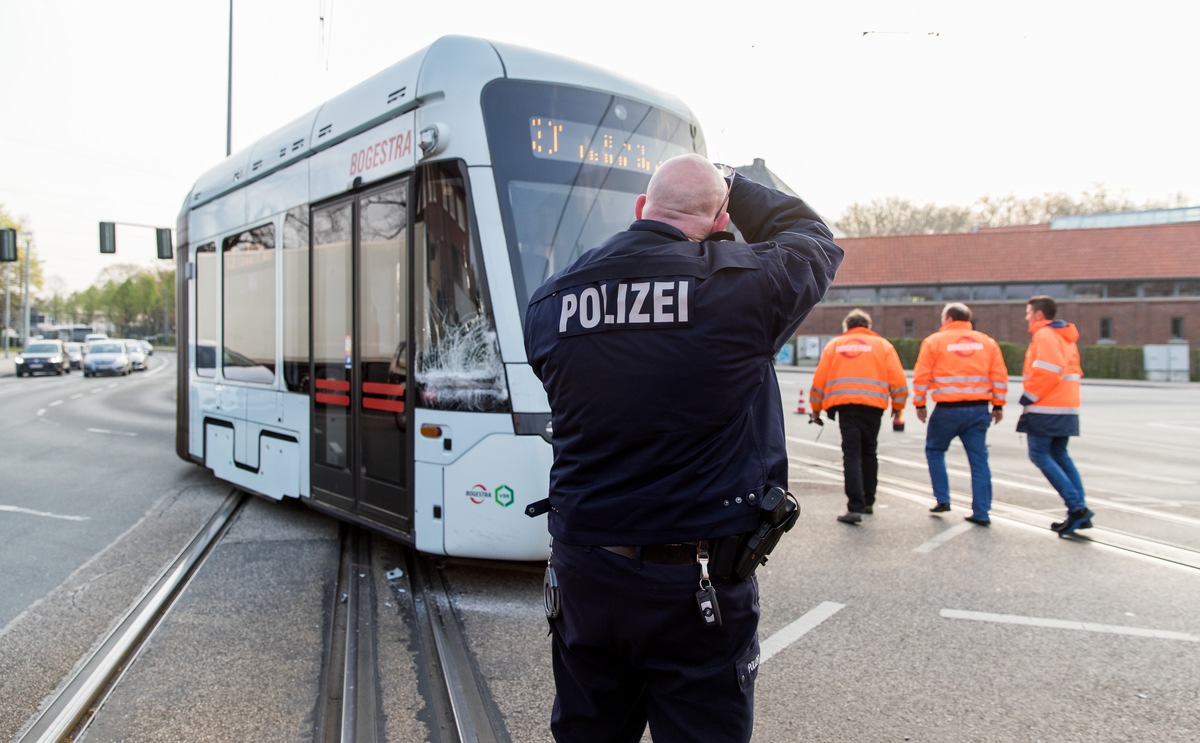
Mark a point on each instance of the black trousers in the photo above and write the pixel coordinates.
(859, 425)
(631, 648)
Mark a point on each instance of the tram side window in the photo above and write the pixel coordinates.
(206, 310)
(248, 310)
(458, 365)
(295, 300)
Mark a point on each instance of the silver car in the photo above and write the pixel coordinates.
(74, 353)
(137, 354)
(106, 357)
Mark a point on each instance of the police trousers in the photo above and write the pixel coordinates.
(630, 649)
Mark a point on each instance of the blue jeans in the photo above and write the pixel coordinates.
(1049, 454)
(970, 424)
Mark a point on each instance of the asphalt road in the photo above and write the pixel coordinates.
(909, 627)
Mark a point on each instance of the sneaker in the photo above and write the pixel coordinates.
(1075, 520)
(868, 509)
(981, 522)
(940, 508)
(850, 517)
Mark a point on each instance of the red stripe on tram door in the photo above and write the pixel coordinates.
(383, 388)
(339, 385)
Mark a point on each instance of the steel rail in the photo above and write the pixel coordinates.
(78, 698)
(459, 695)
(1146, 547)
(350, 689)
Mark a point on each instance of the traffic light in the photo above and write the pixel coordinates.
(108, 237)
(8, 244)
(163, 236)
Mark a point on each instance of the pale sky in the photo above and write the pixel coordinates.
(112, 109)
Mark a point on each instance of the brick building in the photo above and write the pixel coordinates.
(1130, 279)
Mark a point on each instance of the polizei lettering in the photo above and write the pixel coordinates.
(628, 305)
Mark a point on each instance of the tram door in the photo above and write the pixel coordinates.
(360, 324)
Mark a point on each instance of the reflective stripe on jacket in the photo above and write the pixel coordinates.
(960, 364)
(1052, 379)
(859, 367)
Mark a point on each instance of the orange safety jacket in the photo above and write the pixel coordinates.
(859, 367)
(960, 364)
(1052, 379)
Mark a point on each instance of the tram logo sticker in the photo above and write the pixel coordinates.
(503, 495)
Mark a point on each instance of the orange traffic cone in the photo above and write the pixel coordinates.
(898, 422)
(800, 406)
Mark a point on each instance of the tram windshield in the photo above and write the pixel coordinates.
(569, 164)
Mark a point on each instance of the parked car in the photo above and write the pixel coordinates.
(106, 357)
(43, 357)
(74, 353)
(149, 348)
(137, 354)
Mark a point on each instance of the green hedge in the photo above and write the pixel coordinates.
(1113, 362)
(1099, 362)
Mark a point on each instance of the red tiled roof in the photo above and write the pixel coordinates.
(1033, 254)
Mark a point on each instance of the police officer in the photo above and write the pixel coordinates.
(655, 350)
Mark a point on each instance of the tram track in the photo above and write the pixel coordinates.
(351, 705)
(1121, 541)
(455, 694)
(73, 706)
(459, 696)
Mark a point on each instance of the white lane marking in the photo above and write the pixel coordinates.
(41, 412)
(76, 396)
(797, 629)
(43, 514)
(115, 433)
(55, 404)
(1139, 475)
(1175, 426)
(923, 465)
(944, 537)
(1092, 500)
(980, 616)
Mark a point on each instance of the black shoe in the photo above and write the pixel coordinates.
(1075, 520)
(850, 517)
(981, 522)
(868, 509)
(940, 508)
(1057, 525)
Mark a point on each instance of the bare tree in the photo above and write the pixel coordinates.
(895, 216)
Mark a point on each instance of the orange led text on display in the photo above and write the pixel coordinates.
(559, 139)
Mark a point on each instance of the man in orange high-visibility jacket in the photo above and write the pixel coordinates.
(962, 370)
(858, 377)
(1050, 406)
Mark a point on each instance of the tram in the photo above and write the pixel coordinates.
(353, 285)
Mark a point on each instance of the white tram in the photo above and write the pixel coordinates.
(353, 287)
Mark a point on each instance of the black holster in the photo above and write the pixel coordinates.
(736, 557)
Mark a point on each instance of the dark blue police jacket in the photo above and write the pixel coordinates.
(657, 356)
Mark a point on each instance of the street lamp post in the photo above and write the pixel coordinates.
(25, 292)
(7, 306)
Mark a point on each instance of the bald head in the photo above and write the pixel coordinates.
(686, 192)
